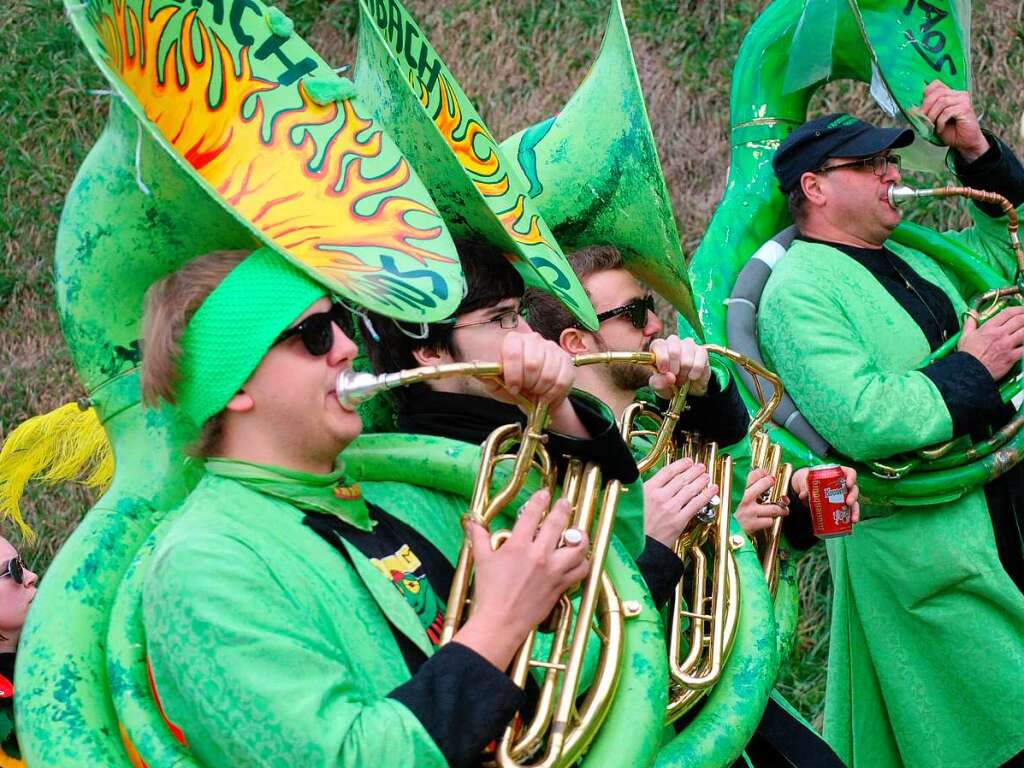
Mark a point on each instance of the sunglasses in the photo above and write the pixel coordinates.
(15, 569)
(636, 310)
(317, 331)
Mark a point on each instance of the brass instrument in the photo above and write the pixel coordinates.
(562, 727)
(766, 455)
(695, 666)
(900, 194)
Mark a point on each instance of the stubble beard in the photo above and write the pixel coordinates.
(629, 377)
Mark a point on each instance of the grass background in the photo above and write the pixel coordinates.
(519, 61)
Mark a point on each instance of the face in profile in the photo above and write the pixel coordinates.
(17, 589)
(291, 396)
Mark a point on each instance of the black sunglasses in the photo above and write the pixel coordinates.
(637, 311)
(317, 331)
(15, 568)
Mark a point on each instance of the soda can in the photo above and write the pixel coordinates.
(830, 517)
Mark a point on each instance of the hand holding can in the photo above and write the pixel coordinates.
(827, 493)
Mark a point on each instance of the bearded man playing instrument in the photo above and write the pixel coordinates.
(292, 616)
(673, 495)
(926, 655)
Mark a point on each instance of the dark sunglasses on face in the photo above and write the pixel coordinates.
(15, 569)
(317, 331)
(636, 310)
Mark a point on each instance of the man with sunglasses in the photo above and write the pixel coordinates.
(674, 494)
(291, 615)
(846, 318)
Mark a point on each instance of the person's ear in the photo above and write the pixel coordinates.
(241, 402)
(430, 356)
(811, 185)
(573, 341)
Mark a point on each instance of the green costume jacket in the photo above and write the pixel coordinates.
(926, 658)
(267, 650)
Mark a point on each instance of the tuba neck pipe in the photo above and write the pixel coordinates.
(900, 194)
(354, 387)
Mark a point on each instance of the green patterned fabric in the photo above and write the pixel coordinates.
(926, 657)
(318, 493)
(266, 650)
(235, 326)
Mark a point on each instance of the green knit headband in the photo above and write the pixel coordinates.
(234, 327)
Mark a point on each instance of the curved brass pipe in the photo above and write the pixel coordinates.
(562, 728)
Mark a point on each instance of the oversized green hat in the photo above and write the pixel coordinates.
(910, 42)
(411, 91)
(594, 173)
(266, 128)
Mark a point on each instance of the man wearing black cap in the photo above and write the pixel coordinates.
(926, 597)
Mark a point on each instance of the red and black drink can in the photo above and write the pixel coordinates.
(827, 489)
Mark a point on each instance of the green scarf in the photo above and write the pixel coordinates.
(330, 494)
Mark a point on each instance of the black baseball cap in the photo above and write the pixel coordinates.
(835, 135)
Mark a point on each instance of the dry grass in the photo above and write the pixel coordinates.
(518, 66)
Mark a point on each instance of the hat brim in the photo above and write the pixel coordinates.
(873, 141)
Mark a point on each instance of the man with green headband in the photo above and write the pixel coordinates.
(292, 617)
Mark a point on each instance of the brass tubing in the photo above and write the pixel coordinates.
(719, 595)
(899, 194)
(354, 387)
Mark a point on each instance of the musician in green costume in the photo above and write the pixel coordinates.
(673, 494)
(926, 659)
(275, 628)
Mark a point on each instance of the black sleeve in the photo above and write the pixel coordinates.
(998, 170)
(970, 393)
(662, 569)
(605, 446)
(718, 416)
(462, 700)
(797, 524)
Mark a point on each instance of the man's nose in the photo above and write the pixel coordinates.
(654, 325)
(343, 349)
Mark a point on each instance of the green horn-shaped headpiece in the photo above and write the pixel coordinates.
(422, 106)
(594, 173)
(265, 127)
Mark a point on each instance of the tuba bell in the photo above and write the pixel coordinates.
(602, 137)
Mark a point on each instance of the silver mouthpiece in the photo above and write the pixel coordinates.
(354, 387)
(900, 193)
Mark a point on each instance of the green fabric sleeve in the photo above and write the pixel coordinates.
(863, 411)
(252, 679)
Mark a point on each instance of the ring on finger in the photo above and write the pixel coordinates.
(571, 537)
